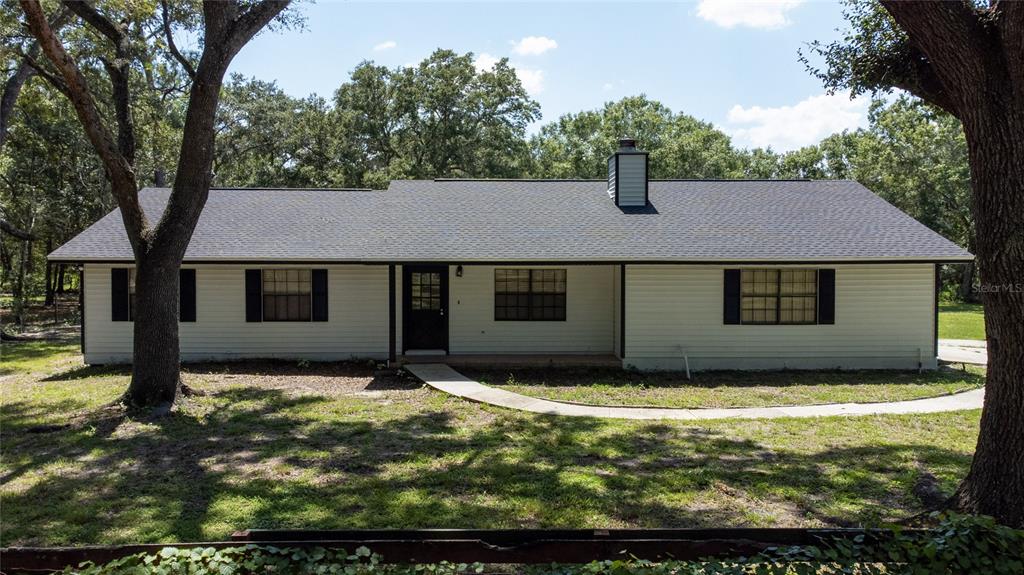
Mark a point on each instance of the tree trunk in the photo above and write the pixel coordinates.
(995, 139)
(966, 290)
(155, 363)
(19, 289)
(48, 278)
(60, 280)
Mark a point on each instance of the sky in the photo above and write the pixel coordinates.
(733, 63)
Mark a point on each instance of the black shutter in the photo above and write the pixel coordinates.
(827, 296)
(732, 297)
(119, 294)
(253, 295)
(319, 295)
(187, 295)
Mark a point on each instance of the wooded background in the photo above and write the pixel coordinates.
(440, 118)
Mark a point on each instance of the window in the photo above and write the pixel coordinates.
(774, 296)
(286, 295)
(131, 294)
(529, 295)
(425, 290)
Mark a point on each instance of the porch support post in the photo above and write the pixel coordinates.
(391, 314)
(935, 310)
(81, 306)
(622, 311)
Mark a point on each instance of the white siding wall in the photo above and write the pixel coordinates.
(884, 319)
(588, 328)
(357, 324)
(616, 310)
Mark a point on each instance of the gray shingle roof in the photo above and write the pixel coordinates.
(522, 220)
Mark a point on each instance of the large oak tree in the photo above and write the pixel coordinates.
(158, 246)
(967, 58)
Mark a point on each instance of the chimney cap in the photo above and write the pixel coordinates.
(628, 143)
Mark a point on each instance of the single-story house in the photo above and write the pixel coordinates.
(652, 274)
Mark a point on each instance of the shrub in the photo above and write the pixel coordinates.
(960, 544)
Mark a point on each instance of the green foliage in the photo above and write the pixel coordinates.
(680, 146)
(960, 544)
(873, 56)
(441, 118)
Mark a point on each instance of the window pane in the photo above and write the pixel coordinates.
(524, 294)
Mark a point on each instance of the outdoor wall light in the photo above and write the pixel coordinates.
(458, 271)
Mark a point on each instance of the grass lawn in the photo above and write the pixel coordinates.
(603, 386)
(35, 356)
(334, 446)
(961, 321)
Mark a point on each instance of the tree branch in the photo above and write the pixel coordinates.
(171, 46)
(950, 35)
(245, 26)
(11, 229)
(226, 31)
(1009, 17)
(98, 21)
(24, 71)
(119, 169)
(117, 70)
(37, 68)
(911, 71)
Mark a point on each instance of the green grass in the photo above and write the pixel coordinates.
(32, 356)
(961, 321)
(728, 388)
(273, 446)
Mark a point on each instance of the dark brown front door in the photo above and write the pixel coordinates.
(425, 307)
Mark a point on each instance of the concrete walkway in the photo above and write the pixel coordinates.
(440, 376)
(971, 351)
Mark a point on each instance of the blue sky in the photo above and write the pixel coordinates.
(730, 62)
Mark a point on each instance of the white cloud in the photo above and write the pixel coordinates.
(790, 127)
(533, 45)
(385, 46)
(768, 14)
(607, 87)
(531, 78)
(485, 61)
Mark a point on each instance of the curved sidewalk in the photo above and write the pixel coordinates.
(963, 351)
(444, 378)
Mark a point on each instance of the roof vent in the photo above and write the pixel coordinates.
(627, 175)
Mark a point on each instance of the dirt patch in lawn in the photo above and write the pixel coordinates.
(315, 378)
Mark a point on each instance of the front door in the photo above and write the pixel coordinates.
(425, 307)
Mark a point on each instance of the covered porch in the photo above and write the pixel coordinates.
(506, 314)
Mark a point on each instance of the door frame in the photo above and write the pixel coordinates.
(407, 271)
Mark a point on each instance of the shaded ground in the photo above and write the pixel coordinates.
(41, 321)
(606, 386)
(278, 445)
(961, 321)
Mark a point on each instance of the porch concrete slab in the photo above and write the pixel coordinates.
(446, 379)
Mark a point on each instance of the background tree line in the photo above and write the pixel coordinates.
(441, 118)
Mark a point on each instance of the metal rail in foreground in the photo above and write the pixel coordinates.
(504, 546)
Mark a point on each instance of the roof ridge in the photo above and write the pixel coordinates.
(651, 179)
(512, 180)
(734, 180)
(276, 189)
